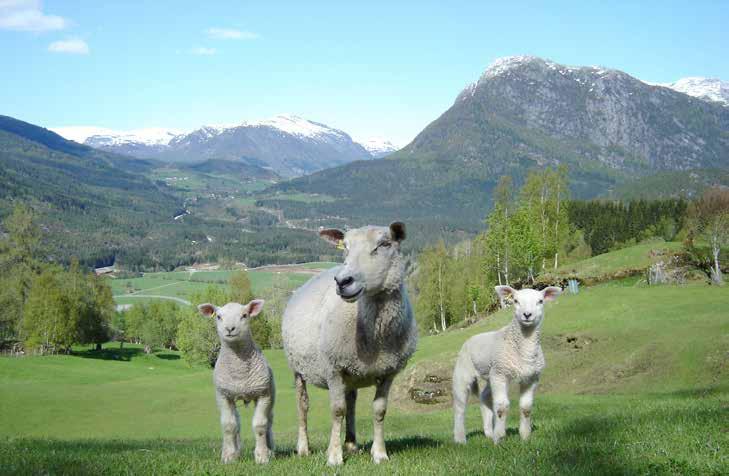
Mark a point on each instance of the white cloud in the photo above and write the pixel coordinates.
(70, 46)
(231, 34)
(202, 51)
(27, 15)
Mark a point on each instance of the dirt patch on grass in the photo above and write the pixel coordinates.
(424, 386)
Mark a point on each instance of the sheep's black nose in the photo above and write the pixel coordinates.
(230, 329)
(527, 315)
(344, 282)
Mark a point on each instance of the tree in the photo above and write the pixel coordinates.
(197, 337)
(50, 322)
(710, 214)
(241, 292)
(432, 286)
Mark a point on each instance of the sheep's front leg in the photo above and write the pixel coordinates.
(261, 428)
(338, 407)
(526, 400)
(350, 438)
(230, 423)
(500, 395)
(302, 397)
(379, 409)
(487, 413)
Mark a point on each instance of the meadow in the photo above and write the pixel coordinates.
(636, 383)
(180, 285)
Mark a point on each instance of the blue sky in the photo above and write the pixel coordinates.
(370, 68)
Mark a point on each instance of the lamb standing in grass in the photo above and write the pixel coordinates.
(493, 359)
(241, 373)
(351, 327)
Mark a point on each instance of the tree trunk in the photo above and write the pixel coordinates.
(440, 293)
(716, 274)
(98, 346)
(147, 349)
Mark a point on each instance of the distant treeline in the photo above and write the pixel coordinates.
(606, 224)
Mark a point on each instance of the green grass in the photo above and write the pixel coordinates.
(182, 284)
(603, 266)
(646, 393)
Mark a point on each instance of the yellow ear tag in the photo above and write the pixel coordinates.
(340, 245)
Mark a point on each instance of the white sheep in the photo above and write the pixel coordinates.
(241, 373)
(493, 359)
(351, 327)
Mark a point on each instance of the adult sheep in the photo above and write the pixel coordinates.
(351, 327)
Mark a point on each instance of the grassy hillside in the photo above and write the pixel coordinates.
(182, 284)
(636, 382)
(617, 263)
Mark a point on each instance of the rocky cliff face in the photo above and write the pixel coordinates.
(589, 115)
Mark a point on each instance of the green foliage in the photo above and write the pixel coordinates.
(197, 338)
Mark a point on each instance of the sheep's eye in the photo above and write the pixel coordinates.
(217, 316)
(516, 301)
(244, 315)
(541, 301)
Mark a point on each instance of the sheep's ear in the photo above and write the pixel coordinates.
(207, 309)
(397, 231)
(255, 307)
(551, 293)
(332, 235)
(505, 291)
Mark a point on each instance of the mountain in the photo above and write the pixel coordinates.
(378, 147)
(708, 89)
(232, 168)
(287, 145)
(522, 113)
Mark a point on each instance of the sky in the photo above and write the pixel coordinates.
(382, 69)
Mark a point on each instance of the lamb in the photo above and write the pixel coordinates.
(492, 359)
(351, 327)
(241, 373)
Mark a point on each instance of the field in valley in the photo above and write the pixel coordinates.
(180, 285)
(637, 383)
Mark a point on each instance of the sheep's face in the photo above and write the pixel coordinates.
(528, 303)
(372, 260)
(232, 320)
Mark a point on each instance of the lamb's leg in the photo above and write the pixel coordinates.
(500, 394)
(338, 408)
(461, 389)
(302, 397)
(262, 453)
(379, 408)
(487, 412)
(230, 424)
(269, 429)
(350, 438)
(526, 401)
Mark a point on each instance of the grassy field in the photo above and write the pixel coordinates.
(602, 267)
(637, 383)
(182, 284)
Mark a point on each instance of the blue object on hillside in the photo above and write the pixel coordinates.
(573, 285)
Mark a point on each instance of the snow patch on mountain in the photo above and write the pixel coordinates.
(710, 89)
(101, 136)
(378, 146)
(297, 126)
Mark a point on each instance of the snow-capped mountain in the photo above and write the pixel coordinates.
(142, 143)
(286, 144)
(709, 89)
(378, 147)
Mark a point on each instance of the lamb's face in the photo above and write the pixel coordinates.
(528, 303)
(232, 320)
(372, 260)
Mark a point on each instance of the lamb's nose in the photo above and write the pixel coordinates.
(344, 282)
(527, 315)
(230, 329)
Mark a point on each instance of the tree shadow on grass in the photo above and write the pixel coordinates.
(123, 355)
(167, 356)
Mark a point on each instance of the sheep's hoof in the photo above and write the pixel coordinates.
(229, 457)
(351, 447)
(262, 456)
(302, 451)
(460, 439)
(379, 456)
(497, 439)
(335, 458)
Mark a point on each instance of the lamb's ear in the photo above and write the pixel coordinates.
(255, 307)
(551, 293)
(397, 231)
(207, 309)
(332, 235)
(505, 291)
